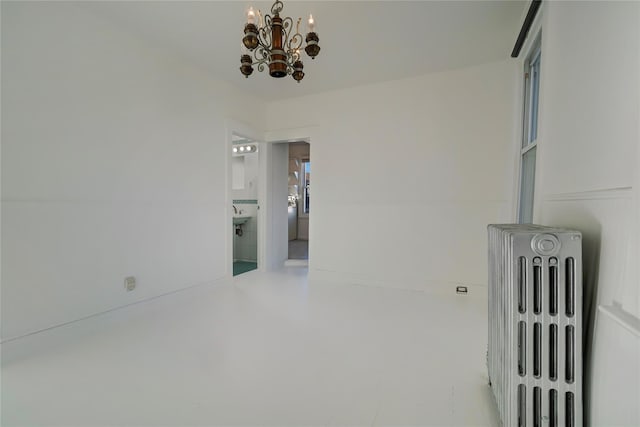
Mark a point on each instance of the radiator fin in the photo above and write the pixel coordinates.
(553, 352)
(553, 286)
(553, 408)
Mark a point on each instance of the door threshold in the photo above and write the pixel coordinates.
(296, 263)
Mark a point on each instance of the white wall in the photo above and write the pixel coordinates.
(275, 212)
(407, 174)
(588, 167)
(113, 164)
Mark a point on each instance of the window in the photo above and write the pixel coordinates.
(529, 135)
(306, 173)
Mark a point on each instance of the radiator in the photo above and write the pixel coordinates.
(534, 355)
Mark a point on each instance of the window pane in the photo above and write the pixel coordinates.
(525, 215)
(535, 89)
(307, 181)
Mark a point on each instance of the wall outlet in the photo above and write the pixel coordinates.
(461, 290)
(130, 283)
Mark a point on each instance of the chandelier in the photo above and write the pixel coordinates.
(272, 43)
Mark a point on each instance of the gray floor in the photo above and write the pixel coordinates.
(298, 249)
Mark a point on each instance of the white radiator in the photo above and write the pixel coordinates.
(534, 353)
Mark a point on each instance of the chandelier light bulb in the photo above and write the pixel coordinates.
(251, 16)
(312, 24)
(260, 19)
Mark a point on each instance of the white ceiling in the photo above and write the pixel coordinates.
(362, 41)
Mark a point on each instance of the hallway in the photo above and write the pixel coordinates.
(261, 348)
(298, 249)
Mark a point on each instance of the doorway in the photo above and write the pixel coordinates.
(299, 200)
(274, 184)
(245, 169)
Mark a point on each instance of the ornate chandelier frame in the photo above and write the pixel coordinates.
(274, 45)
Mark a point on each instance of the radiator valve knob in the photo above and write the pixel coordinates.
(545, 244)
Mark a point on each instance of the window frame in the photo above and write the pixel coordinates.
(530, 124)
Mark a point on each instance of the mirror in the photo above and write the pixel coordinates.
(237, 173)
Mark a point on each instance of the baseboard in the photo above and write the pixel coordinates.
(215, 282)
(432, 286)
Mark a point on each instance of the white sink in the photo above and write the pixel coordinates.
(237, 220)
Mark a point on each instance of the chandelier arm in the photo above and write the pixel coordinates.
(261, 55)
(293, 48)
(264, 33)
(287, 24)
(295, 43)
(261, 66)
(261, 58)
(263, 44)
(289, 45)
